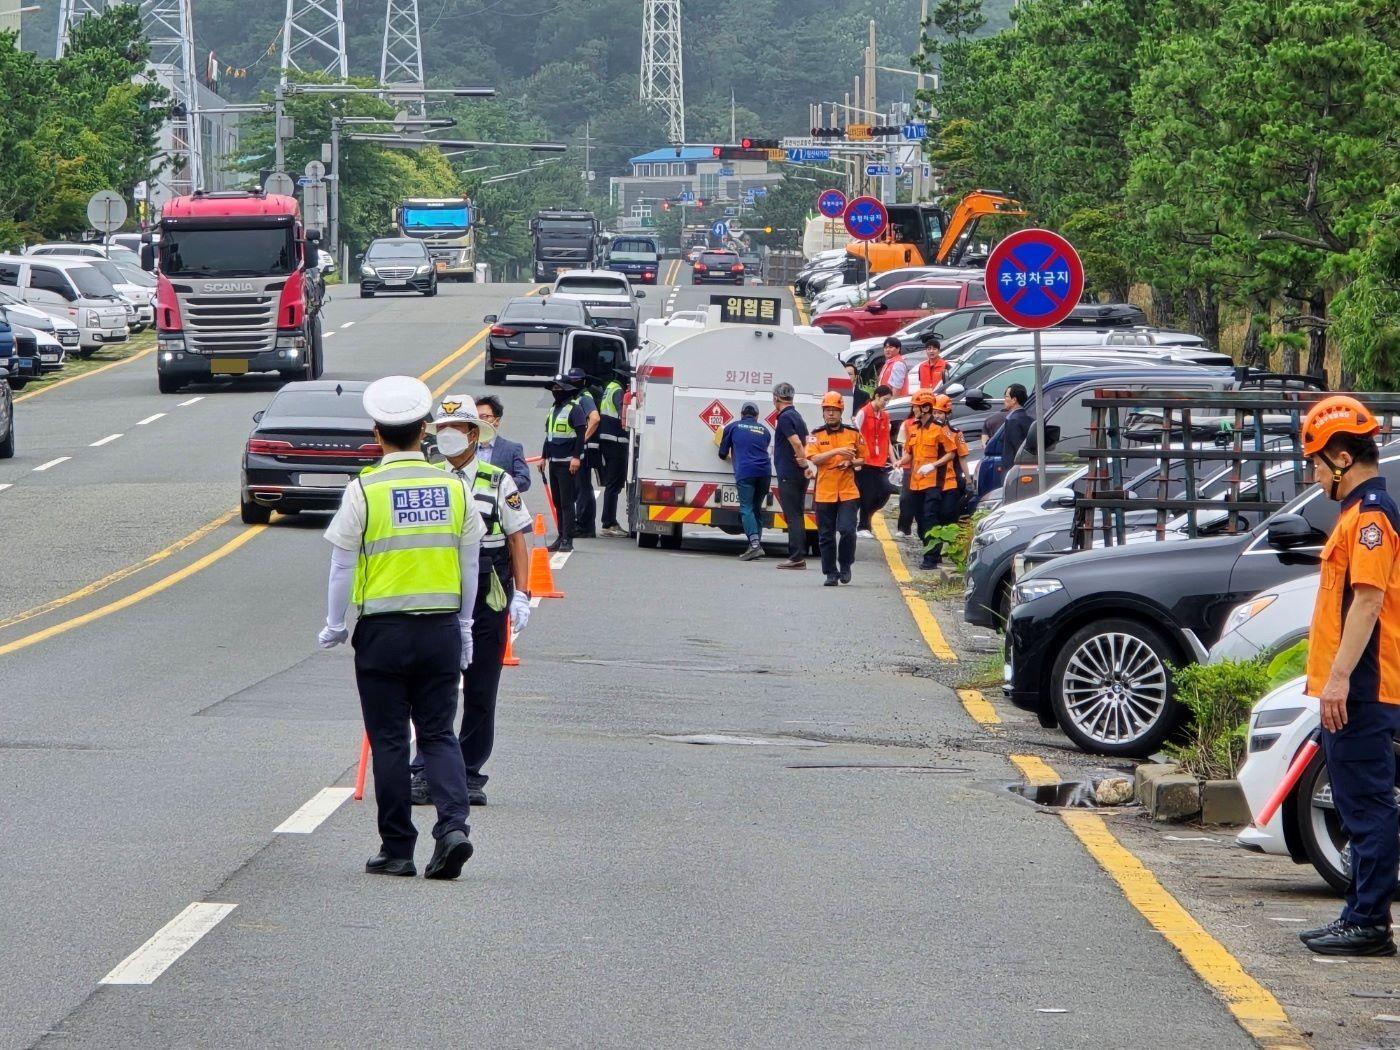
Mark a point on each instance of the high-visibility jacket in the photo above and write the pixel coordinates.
(931, 373)
(875, 428)
(610, 412)
(409, 554)
(895, 366)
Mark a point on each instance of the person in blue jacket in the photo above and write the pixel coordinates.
(746, 442)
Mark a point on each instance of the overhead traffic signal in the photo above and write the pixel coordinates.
(828, 133)
(748, 143)
(883, 130)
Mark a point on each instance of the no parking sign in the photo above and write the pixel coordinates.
(1034, 278)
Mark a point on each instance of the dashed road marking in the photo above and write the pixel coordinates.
(104, 441)
(191, 401)
(6, 485)
(1035, 770)
(170, 942)
(347, 324)
(150, 419)
(327, 335)
(558, 558)
(52, 463)
(309, 817)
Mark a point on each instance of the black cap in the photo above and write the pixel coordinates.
(577, 375)
(749, 409)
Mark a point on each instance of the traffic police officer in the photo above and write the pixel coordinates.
(612, 438)
(564, 432)
(1354, 668)
(502, 592)
(409, 536)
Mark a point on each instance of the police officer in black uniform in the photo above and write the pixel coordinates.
(561, 463)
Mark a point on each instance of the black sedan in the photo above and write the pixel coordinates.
(1092, 634)
(526, 338)
(397, 264)
(305, 448)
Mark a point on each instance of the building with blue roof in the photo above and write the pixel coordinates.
(661, 177)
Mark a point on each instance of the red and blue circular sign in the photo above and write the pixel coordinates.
(831, 203)
(865, 218)
(1034, 278)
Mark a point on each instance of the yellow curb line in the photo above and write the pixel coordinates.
(797, 305)
(1253, 1006)
(918, 608)
(979, 708)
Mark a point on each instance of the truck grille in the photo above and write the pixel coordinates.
(231, 324)
(395, 273)
(564, 253)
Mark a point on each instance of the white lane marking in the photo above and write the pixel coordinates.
(322, 804)
(347, 324)
(104, 441)
(170, 942)
(53, 463)
(5, 486)
(327, 335)
(534, 602)
(149, 419)
(558, 558)
(191, 401)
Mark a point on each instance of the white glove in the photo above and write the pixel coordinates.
(466, 644)
(927, 468)
(330, 637)
(519, 611)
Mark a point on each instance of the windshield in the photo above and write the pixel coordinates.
(632, 251)
(580, 227)
(269, 252)
(109, 270)
(135, 275)
(91, 283)
(324, 403)
(381, 250)
(436, 217)
(597, 285)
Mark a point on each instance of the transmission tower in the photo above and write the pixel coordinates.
(70, 12)
(313, 38)
(169, 26)
(663, 83)
(401, 61)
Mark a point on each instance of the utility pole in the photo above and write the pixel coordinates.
(401, 59)
(919, 188)
(731, 116)
(662, 79)
(588, 156)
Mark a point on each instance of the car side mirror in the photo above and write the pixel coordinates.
(1052, 437)
(975, 399)
(876, 307)
(257, 416)
(359, 256)
(490, 319)
(1066, 501)
(1290, 531)
(148, 256)
(640, 294)
(957, 389)
(544, 292)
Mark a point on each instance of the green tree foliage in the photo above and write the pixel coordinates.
(73, 126)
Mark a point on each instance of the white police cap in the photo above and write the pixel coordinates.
(395, 400)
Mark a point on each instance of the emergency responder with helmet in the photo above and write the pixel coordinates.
(924, 451)
(406, 542)
(502, 594)
(1354, 668)
(952, 465)
(837, 450)
(565, 427)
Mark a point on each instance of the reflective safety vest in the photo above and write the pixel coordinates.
(557, 426)
(486, 492)
(610, 409)
(409, 554)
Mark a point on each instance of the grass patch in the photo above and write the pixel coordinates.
(76, 366)
(985, 673)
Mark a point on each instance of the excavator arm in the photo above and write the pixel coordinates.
(963, 222)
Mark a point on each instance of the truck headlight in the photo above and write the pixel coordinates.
(1030, 590)
(1243, 613)
(294, 343)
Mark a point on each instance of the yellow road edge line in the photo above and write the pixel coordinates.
(164, 583)
(1035, 769)
(979, 708)
(446, 383)
(797, 305)
(455, 354)
(1252, 1005)
(96, 371)
(672, 273)
(918, 608)
(121, 574)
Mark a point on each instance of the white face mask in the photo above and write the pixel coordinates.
(452, 442)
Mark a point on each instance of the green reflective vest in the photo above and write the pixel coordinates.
(558, 426)
(610, 409)
(409, 554)
(486, 492)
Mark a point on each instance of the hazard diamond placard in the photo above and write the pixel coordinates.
(715, 415)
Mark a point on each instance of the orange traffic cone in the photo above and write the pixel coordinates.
(539, 524)
(510, 659)
(541, 575)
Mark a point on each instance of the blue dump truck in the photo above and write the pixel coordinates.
(637, 257)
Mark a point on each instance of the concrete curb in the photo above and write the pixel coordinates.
(1171, 796)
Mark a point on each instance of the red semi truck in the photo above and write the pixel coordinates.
(234, 291)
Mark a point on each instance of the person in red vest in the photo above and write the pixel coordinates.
(932, 367)
(895, 372)
(872, 479)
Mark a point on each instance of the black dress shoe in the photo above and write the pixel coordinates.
(830, 581)
(476, 797)
(418, 792)
(383, 864)
(1335, 926)
(555, 545)
(452, 851)
(1351, 939)
(845, 576)
(566, 548)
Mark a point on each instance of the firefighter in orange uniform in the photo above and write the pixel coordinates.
(837, 451)
(1354, 668)
(923, 445)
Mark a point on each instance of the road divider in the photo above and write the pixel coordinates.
(170, 942)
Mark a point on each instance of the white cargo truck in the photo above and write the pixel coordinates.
(687, 382)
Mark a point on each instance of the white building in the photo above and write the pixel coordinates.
(666, 174)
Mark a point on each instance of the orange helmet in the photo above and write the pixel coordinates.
(924, 397)
(1338, 414)
(832, 399)
(942, 403)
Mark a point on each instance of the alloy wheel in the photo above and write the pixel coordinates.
(1115, 688)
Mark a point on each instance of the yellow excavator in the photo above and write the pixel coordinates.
(926, 234)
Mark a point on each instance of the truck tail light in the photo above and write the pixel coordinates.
(663, 492)
(497, 329)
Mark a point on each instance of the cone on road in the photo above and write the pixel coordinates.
(539, 524)
(542, 575)
(510, 659)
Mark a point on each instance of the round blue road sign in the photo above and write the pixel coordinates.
(831, 203)
(1034, 278)
(866, 218)
(720, 228)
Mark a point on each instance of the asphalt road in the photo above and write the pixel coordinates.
(849, 871)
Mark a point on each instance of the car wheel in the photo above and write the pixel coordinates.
(495, 376)
(1111, 689)
(7, 443)
(365, 293)
(318, 353)
(432, 289)
(1319, 827)
(167, 384)
(253, 513)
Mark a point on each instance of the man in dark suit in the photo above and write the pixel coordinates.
(499, 452)
(1017, 425)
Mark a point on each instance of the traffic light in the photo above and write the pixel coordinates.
(767, 229)
(882, 130)
(718, 151)
(665, 205)
(760, 143)
(828, 133)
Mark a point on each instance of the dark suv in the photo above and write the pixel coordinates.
(397, 264)
(718, 265)
(1092, 634)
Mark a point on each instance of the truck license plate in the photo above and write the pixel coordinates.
(231, 366)
(442, 266)
(728, 496)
